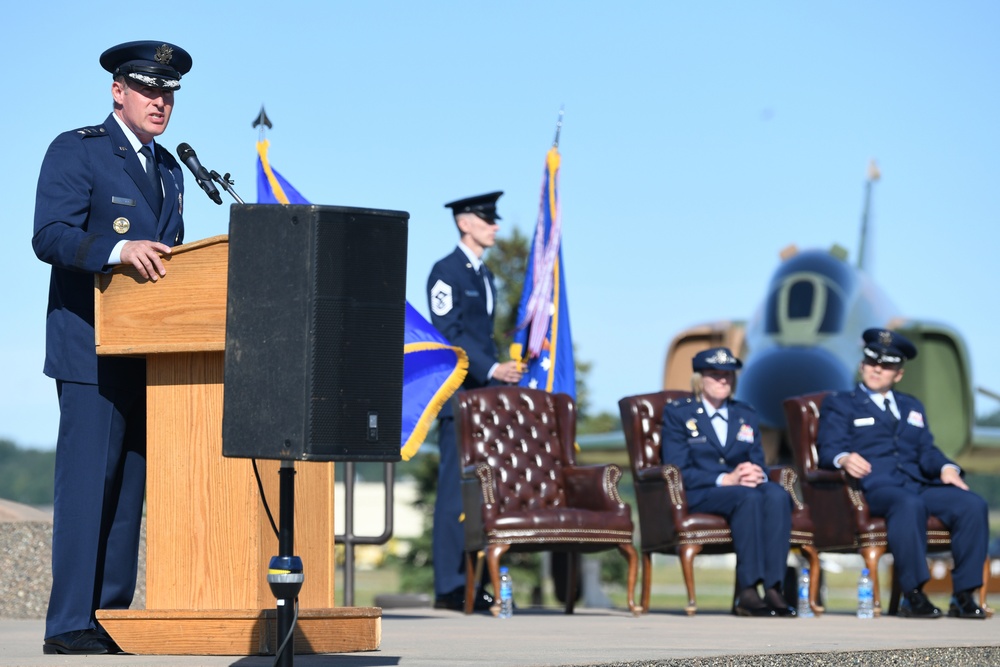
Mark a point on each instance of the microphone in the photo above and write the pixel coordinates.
(187, 156)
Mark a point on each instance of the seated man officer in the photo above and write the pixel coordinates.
(882, 438)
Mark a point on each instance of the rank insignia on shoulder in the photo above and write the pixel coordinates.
(121, 225)
(441, 302)
(92, 131)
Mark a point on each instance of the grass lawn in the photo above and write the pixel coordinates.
(714, 579)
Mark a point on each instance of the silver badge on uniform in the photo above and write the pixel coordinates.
(121, 225)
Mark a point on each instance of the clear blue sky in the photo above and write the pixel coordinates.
(699, 140)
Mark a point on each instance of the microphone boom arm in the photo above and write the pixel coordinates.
(227, 185)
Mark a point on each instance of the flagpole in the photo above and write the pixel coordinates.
(873, 176)
(555, 143)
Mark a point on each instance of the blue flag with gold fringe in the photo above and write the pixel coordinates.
(543, 341)
(432, 368)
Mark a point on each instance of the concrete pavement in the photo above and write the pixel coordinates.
(548, 638)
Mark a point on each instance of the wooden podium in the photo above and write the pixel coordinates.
(208, 537)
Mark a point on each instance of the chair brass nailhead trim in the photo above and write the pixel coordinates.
(547, 535)
(719, 535)
(801, 537)
(611, 476)
(874, 539)
(938, 537)
(560, 531)
(485, 474)
(788, 479)
(856, 498)
(705, 540)
(672, 476)
(541, 539)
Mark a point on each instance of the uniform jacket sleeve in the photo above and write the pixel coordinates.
(834, 436)
(62, 236)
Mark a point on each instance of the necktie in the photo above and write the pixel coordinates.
(153, 174)
(485, 273)
(886, 406)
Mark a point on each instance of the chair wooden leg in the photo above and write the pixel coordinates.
(810, 553)
(572, 572)
(480, 561)
(687, 552)
(493, 553)
(472, 573)
(871, 555)
(633, 567)
(984, 589)
(647, 579)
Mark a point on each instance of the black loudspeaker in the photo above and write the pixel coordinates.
(314, 333)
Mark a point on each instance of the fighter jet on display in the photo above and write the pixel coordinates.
(806, 337)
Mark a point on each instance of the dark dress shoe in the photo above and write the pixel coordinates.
(963, 605)
(748, 603)
(455, 600)
(762, 611)
(777, 603)
(112, 644)
(79, 642)
(916, 605)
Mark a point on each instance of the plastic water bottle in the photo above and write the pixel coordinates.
(802, 608)
(506, 594)
(866, 599)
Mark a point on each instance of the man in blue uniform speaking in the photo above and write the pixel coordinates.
(883, 439)
(461, 296)
(107, 194)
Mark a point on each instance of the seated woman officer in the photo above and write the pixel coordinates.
(715, 441)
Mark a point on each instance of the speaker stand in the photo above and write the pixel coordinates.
(284, 575)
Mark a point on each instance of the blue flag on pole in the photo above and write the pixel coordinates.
(543, 341)
(272, 188)
(432, 369)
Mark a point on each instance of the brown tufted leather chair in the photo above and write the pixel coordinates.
(522, 489)
(843, 522)
(665, 523)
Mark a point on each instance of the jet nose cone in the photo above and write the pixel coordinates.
(779, 373)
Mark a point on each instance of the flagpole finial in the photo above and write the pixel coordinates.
(262, 121)
(555, 143)
(873, 171)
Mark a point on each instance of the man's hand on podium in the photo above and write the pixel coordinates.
(145, 257)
